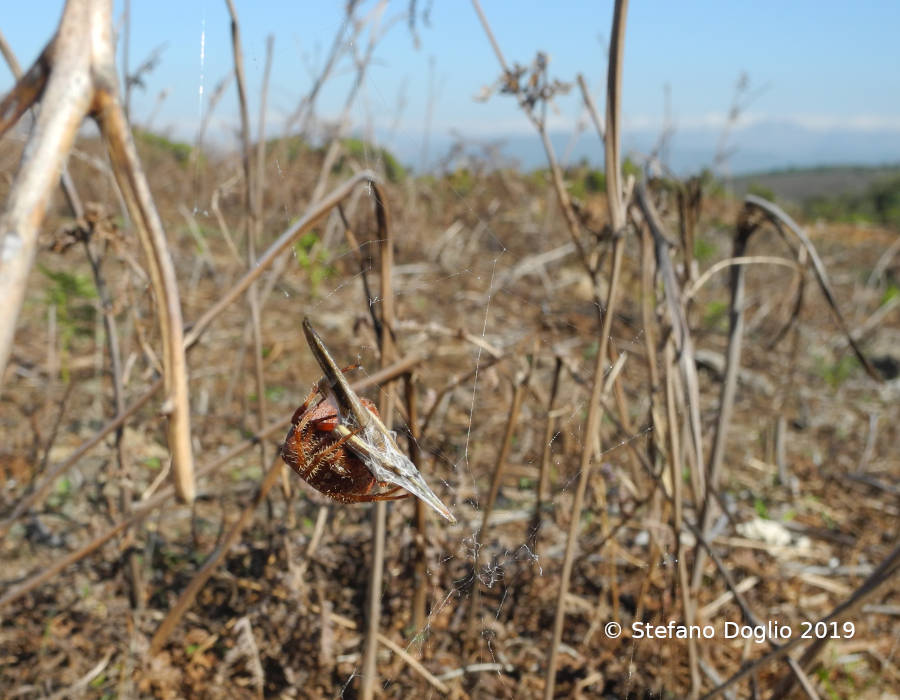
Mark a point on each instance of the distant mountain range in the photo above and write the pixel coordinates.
(762, 146)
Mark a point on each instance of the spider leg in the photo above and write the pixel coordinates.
(328, 451)
(316, 388)
(386, 496)
(303, 406)
(394, 490)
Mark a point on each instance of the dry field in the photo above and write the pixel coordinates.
(486, 282)
(631, 430)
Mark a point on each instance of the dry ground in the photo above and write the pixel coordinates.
(287, 616)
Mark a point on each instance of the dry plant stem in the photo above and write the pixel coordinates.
(186, 599)
(66, 101)
(543, 494)
(482, 533)
(9, 57)
(883, 574)
(684, 344)
(779, 217)
(678, 505)
(617, 221)
(695, 286)
(115, 363)
(648, 318)
(421, 523)
(143, 509)
(591, 107)
(68, 186)
(134, 188)
(252, 195)
(82, 78)
(386, 409)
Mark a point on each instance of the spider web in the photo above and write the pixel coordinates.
(463, 267)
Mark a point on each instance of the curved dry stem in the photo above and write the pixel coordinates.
(728, 262)
(779, 217)
(316, 212)
(136, 192)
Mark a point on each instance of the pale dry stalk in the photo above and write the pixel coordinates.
(75, 76)
(617, 221)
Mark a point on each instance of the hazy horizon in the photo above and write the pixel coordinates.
(817, 86)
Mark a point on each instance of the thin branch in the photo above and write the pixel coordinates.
(386, 408)
(592, 423)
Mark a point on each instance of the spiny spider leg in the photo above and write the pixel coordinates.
(327, 452)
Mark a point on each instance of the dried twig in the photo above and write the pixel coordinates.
(253, 190)
(386, 408)
(592, 423)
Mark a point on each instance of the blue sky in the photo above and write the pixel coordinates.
(819, 65)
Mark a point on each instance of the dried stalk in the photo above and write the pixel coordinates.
(675, 472)
(684, 344)
(420, 566)
(617, 221)
(543, 494)
(136, 193)
(74, 76)
(253, 190)
(591, 107)
(386, 408)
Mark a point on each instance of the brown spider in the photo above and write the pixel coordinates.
(340, 447)
(319, 454)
